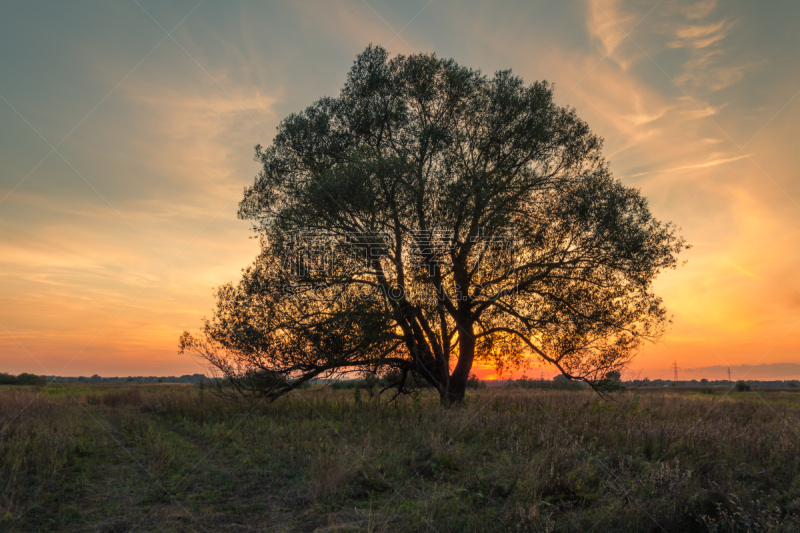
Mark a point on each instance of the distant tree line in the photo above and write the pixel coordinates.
(31, 379)
(709, 383)
(22, 379)
(369, 381)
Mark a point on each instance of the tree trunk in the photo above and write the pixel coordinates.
(457, 385)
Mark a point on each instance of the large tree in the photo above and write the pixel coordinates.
(430, 217)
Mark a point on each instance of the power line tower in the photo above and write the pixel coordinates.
(729, 374)
(675, 371)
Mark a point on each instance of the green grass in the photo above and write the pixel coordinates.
(171, 458)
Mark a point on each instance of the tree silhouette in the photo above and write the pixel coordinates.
(430, 217)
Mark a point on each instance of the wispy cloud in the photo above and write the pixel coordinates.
(700, 9)
(700, 35)
(707, 66)
(704, 164)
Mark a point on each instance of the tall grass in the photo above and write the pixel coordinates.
(42, 439)
(511, 459)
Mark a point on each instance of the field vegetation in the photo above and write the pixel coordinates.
(159, 457)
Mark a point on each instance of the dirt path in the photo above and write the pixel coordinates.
(150, 476)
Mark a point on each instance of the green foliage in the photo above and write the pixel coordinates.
(742, 386)
(425, 166)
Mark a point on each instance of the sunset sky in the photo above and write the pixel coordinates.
(127, 132)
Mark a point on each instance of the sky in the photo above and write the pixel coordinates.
(127, 132)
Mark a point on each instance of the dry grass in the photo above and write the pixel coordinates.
(175, 458)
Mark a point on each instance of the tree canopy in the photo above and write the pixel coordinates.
(430, 217)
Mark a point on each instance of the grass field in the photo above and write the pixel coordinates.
(175, 458)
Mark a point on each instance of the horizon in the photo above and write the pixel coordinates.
(627, 376)
(126, 149)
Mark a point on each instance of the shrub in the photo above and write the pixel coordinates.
(474, 383)
(556, 384)
(347, 384)
(388, 380)
(612, 382)
(608, 385)
(742, 386)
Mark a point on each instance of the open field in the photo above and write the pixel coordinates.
(174, 458)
